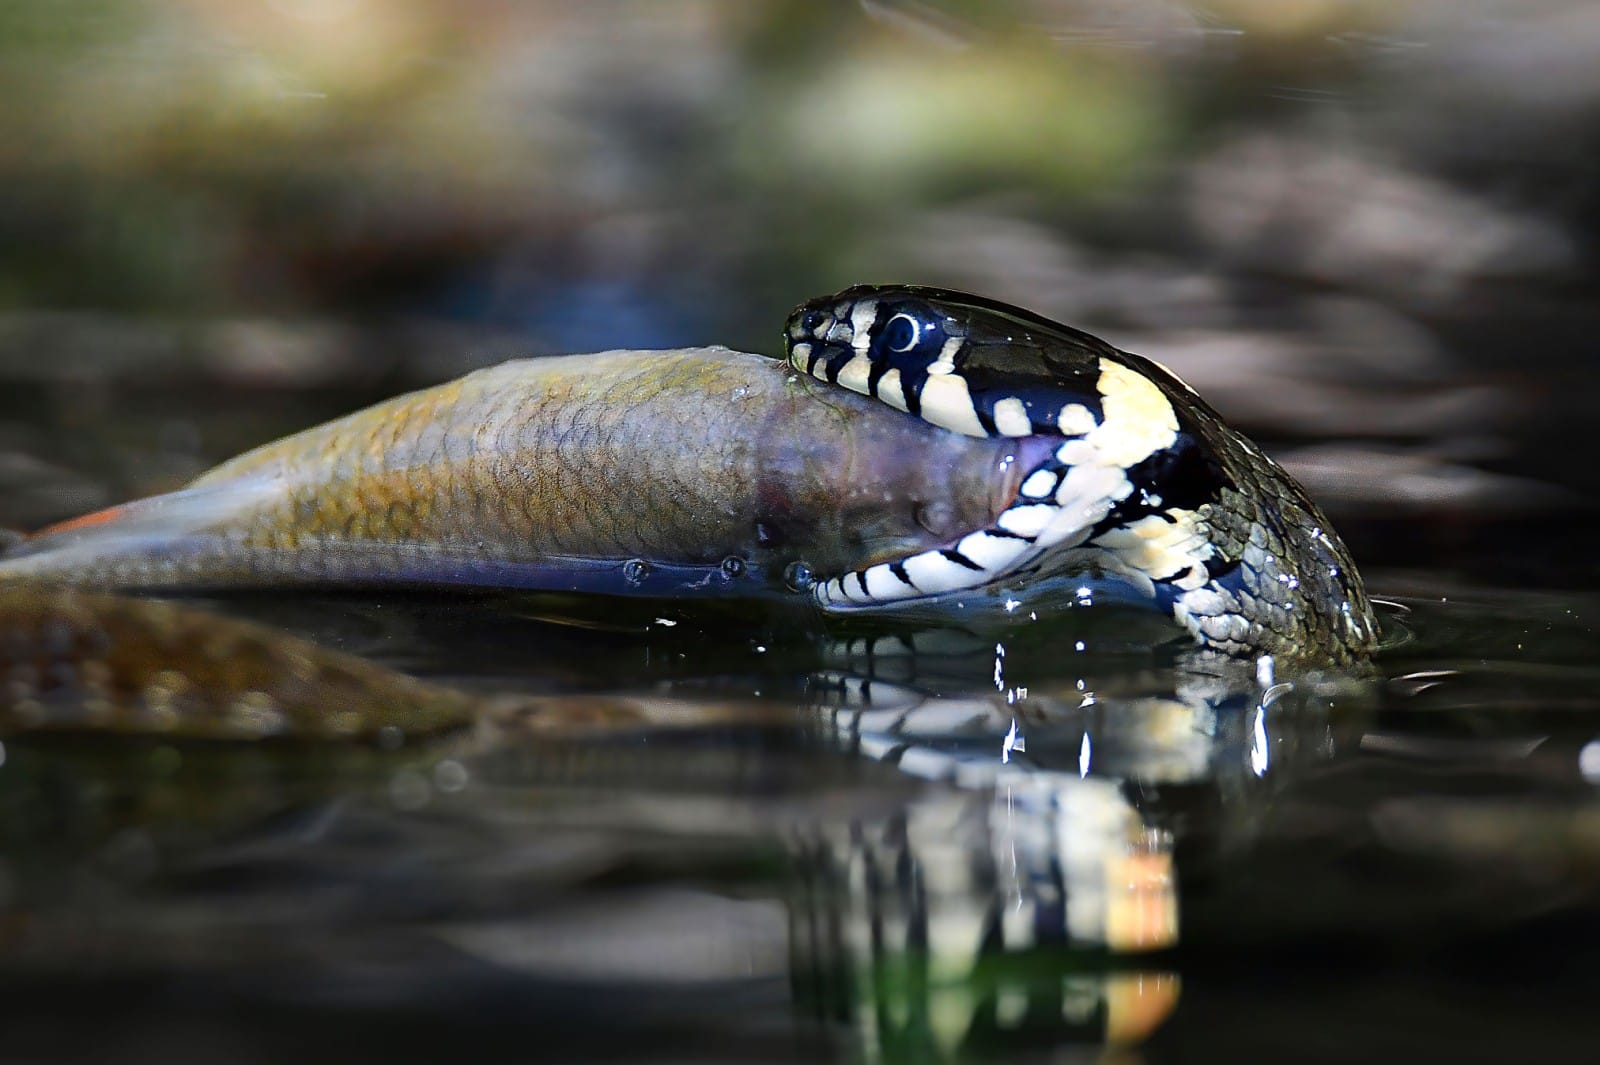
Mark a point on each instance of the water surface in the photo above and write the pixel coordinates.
(898, 845)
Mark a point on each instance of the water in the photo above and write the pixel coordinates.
(889, 845)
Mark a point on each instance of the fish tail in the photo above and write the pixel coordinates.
(105, 516)
(126, 535)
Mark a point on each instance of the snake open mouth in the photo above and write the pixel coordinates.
(974, 560)
(1129, 479)
(1098, 441)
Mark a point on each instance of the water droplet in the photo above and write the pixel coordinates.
(1589, 761)
(799, 578)
(635, 570)
(733, 567)
(450, 776)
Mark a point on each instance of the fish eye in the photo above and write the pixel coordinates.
(901, 333)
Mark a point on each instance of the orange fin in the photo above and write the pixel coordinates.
(87, 521)
(145, 525)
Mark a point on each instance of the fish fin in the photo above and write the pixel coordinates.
(142, 527)
(93, 518)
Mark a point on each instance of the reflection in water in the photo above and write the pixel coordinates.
(931, 845)
(1015, 880)
(926, 931)
(1000, 902)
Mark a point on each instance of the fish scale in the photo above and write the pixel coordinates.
(555, 473)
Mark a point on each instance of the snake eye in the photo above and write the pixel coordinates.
(901, 333)
(811, 322)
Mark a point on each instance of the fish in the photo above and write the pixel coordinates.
(680, 473)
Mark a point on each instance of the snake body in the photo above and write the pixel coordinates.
(1034, 451)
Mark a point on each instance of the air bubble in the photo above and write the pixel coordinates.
(635, 570)
(799, 578)
(733, 567)
(938, 517)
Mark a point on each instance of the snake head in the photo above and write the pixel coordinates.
(1142, 484)
(965, 363)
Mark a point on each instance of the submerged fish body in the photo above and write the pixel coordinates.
(696, 471)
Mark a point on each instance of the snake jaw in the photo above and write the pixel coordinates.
(1083, 422)
(967, 562)
(1142, 482)
(1051, 507)
(1073, 506)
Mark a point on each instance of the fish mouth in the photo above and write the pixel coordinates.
(1030, 523)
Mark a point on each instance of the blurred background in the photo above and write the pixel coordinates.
(1365, 230)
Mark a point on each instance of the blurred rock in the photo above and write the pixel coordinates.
(1336, 215)
(1395, 483)
(301, 354)
(1510, 56)
(1304, 385)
